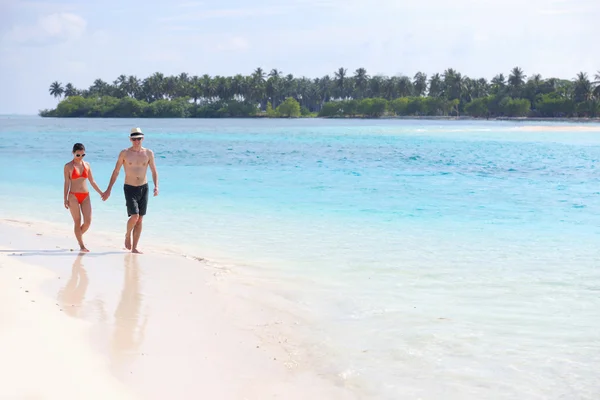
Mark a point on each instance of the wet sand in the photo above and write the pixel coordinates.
(111, 324)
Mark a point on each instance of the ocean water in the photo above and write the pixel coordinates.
(453, 260)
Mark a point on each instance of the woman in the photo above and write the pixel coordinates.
(77, 197)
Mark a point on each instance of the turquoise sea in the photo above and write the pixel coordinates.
(433, 259)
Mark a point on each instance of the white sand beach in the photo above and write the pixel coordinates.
(110, 324)
(592, 127)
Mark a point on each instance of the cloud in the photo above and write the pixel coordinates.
(228, 13)
(49, 29)
(46, 6)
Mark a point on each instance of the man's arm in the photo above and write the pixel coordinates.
(115, 174)
(152, 165)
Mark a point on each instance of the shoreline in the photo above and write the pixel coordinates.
(398, 117)
(136, 315)
(469, 118)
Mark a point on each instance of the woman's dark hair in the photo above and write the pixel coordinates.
(78, 146)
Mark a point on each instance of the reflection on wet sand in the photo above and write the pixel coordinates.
(127, 338)
(72, 295)
(127, 334)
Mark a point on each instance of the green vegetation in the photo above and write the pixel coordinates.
(274, 95)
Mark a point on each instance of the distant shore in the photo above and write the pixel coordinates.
(385, 117)
(343, 94)
(470, 118)
(501, 107)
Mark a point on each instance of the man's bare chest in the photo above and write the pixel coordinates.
(136, 159)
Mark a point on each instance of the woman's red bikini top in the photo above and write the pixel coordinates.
(76, 175)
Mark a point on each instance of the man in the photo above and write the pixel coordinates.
(135, 160)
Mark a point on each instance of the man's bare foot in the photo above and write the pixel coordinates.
(83, 250)
(136, 251)
(128, 242)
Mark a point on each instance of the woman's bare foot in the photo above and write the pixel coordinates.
(128, 242)
(136, 251)
(83, 250)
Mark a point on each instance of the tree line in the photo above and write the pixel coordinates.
(341, 94)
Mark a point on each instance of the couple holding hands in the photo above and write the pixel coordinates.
(135, 160)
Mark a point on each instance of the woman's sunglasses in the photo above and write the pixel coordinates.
(136, 139)
(80, 155)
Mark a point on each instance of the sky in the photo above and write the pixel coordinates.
(79, 41)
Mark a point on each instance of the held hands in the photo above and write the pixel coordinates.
(106, 194)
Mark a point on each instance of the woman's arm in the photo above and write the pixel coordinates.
(67, 185)
(92, 181)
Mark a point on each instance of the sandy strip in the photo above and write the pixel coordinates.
(110, 324)
(559, 128)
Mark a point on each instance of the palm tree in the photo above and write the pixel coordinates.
(326, 88)
(498, 84)
(481, 88)
(56, 89)
(436, 86)
(582, 88)
(238, 87)
(404, 87)
(259, 75)
(361, 80)
(70, 90)
(290, 85)
(420, 84)
(453, 84)
(467, 94)
(275, 73)
(596, 85)
(516, 80)
(516, 77)
(100, 88)
(389, 89)
(132, 86)
(121, 81)
(207, 88)
(340, 83)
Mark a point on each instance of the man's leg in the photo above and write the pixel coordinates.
(132, 210)
(137, 231)
(133, 219)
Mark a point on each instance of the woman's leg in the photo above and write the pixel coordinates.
(86, 210)
(76, 214)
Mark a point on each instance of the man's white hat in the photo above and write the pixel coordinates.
(136, 133)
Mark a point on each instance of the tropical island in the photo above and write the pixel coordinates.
(449, 94)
